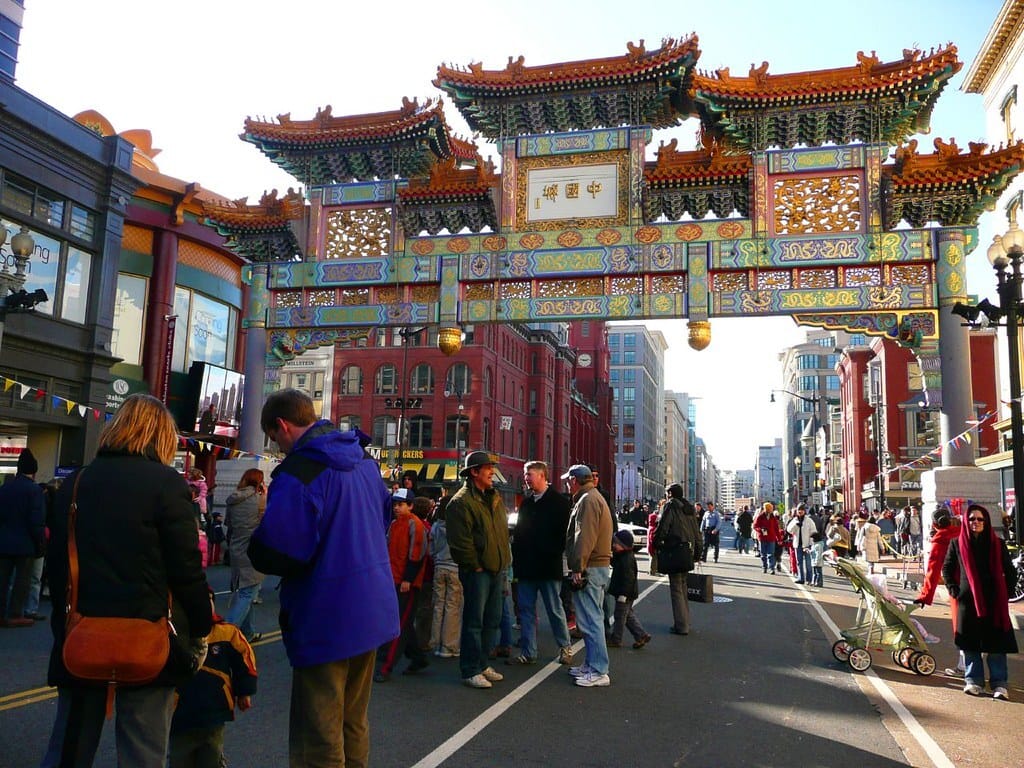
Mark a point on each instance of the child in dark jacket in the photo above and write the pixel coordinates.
(208, 700)
(623, 586)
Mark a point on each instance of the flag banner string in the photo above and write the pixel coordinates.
(964, 437)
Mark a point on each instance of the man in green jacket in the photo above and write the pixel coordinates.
(478, 539)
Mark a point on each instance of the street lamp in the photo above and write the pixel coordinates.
(13, 297)
(799, 480)
(640, 471)
(1007, 251)
(772, 469)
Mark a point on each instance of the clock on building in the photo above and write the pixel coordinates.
(584, 360)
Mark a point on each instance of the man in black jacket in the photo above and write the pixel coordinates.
(537, 544)
(21, 538)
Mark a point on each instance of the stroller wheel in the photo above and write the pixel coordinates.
(903, 658)
(841, 650)
(922, 663)
(860, 659)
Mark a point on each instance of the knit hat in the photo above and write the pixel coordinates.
(27, 464)
(625, 538)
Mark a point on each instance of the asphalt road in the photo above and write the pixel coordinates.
(754, 684)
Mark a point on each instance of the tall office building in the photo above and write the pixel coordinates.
(638, 392)
(11, 14)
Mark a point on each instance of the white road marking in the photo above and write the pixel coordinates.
(463, 736)
(927, 743)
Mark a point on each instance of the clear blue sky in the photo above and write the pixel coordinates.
(191, 72)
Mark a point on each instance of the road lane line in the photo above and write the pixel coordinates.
(926, 742)
(21, 694)
(50, 693)
(466, 734)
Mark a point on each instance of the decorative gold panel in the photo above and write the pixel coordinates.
(355, 297)
(426, 294)
(526, 164)
(193, 254)
(358, 234)
(589, 286)
(729, 281)
(137, 239)
(910, 274)
(515, 290)
(817, 205)
(479, 292)
(668, 284)
(322, 298)
(288, 299)
(624, 286)
(777, 279)
(387, 294)
(855, 276)
(816, 278)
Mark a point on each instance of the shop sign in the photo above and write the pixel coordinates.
(120, 389)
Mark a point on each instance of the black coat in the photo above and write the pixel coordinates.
(624, 580)
(22, 518)
(745, 524)
(973, 633)
(539, 537)
(137, 538)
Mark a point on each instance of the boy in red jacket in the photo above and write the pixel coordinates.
(407, 546)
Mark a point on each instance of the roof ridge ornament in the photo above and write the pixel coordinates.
(867, 63)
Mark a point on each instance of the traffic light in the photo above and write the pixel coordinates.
(817, 464)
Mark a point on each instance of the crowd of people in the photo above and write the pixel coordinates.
(371, 574)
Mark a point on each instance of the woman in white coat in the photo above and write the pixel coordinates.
(869, 542)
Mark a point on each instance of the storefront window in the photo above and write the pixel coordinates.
(75, 298)
(204, 332)
(41, 270)
(129, 317)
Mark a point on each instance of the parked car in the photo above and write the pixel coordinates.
(639, 534)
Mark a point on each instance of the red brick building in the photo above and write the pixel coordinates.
(886, 422)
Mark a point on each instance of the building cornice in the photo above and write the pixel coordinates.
(1004, 30)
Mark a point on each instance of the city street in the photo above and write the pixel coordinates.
(754, 684)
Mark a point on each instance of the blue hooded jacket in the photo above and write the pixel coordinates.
(325, 532)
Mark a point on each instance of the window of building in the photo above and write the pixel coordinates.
(547, 449)
(629, 411)
(385, 431)
(629, 339)
(629, 357)
(629, 430)
(828, 342)
(549, 408)
(1006, 110)
(807, 384)
(613, 340)
(385, 382)
(806, 362)
(456, 432)
(519, 444)
(486, 436)
(533, 402)
(616, 357)
(352, 380)
(488, 383)
(858, 340)
(533, 363)
(204, 331)
(613, 377)
(585, 328)
(532, 442)
(629, 375)
(629, 394)
(349, 422)
(421, 380)
(421, 432)
(459, 380)
(129, 318)
(629, 447)
(832, 383)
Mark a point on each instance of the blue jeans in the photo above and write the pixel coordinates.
(528, 589)
(241, 611)
(481, 618)
(142, 724)
(508, 620)
(803, 564)
(767, 555)
(997, 675)
(589, 603)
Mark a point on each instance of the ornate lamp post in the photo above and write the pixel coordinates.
(14, 298)
(798, 462)
(1006, 251)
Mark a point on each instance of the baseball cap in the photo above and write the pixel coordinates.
(625, 538)
(403, 495)
(580, 471)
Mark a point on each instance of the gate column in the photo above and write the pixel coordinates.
(958, 477)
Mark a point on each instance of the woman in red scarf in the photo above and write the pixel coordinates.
(979, 574)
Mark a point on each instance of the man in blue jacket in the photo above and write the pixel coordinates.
(324, 532)
(22, 538)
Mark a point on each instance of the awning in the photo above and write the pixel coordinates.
(451, 472)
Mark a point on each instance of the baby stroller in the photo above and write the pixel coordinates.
(883, 624)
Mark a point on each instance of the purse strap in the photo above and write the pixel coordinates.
(73, 553)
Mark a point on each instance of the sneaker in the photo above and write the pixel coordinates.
(477, 681)
(575, 633)
(493, 675)
(972, 690)
(641, 642)
(521, 660)
(381, 677)
(593, 680)
(565, 655)
(580, 671)
(443, 654)
(1001, 694)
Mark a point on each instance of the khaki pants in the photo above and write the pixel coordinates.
(447, 624)
(680, 602)
(328, 723)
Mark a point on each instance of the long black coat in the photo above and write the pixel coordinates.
(538, 540)
(972, 633)
(137, 538)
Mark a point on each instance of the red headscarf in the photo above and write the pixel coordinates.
(1000, 610)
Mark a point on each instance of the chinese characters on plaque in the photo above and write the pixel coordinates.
(576, 192)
